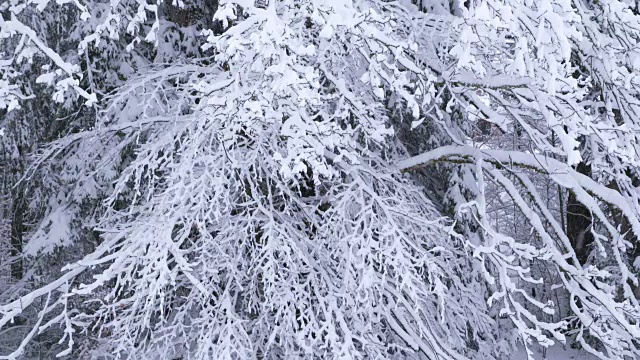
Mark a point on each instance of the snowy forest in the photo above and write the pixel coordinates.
(319, 179)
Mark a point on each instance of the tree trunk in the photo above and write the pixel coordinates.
(16, 238)
(579, 221)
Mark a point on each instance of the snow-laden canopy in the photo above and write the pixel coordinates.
(332, 179)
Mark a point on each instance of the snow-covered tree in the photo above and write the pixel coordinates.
(259, 212)
(334, 179)
(558, 78)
